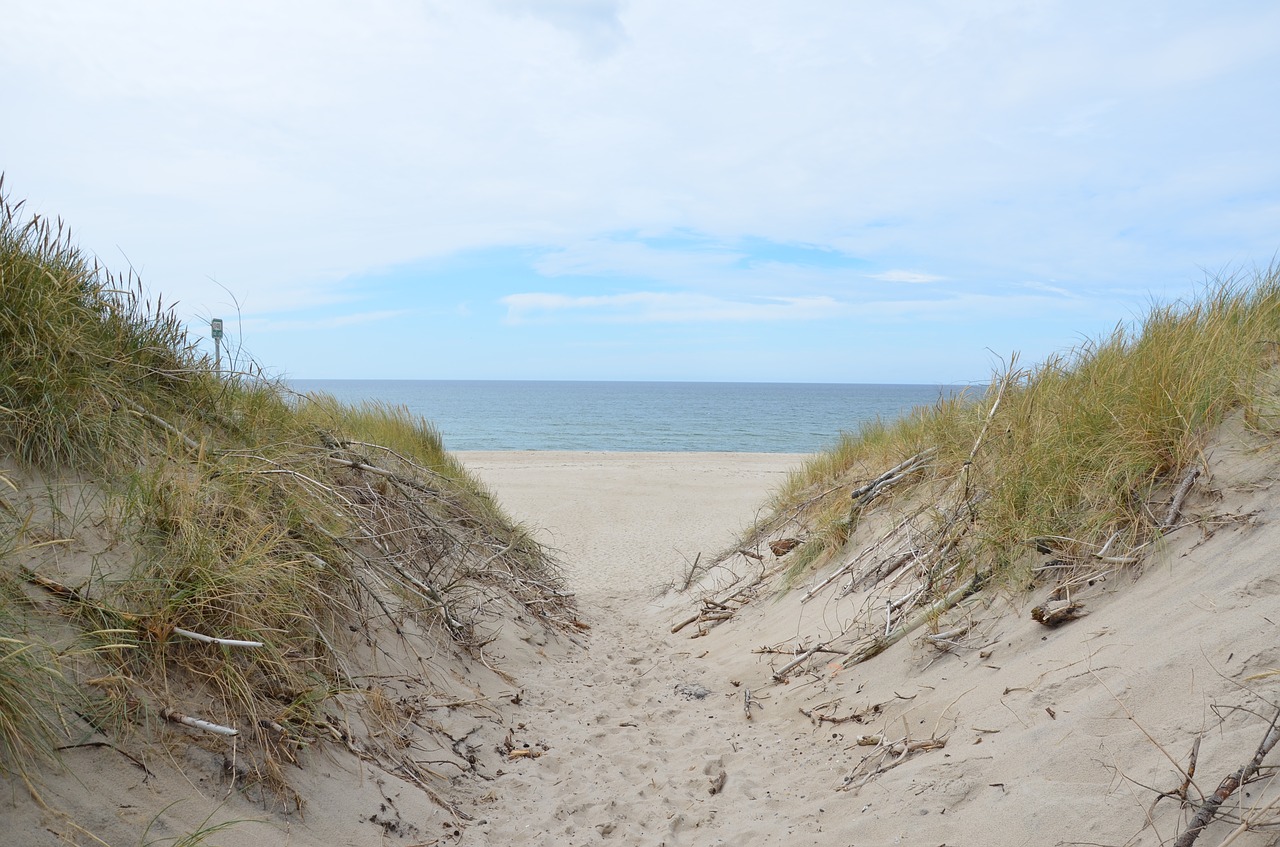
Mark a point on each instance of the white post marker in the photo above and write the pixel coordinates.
(215, 327)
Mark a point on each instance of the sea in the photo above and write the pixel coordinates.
(738, 417)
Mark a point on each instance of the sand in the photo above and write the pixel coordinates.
(627, 524)
(1051, 736)
(1039, 736)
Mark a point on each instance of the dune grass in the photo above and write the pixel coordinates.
(249, 513)
(1075, 455)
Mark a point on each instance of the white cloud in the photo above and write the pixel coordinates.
(610, 257)
(912, 277)
(1047, 288)
(286, 148)
(260, 325)
(594, 23)
(664, 307)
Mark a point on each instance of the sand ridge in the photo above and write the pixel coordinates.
(638, 736)
(1046, 736)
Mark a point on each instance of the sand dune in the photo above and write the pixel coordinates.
(1019, 736)
(1051, 736)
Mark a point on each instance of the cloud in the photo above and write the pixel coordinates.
(296, 151)
(907, 276)
(1048, 289)
(260, 325)
(664, 307)
(616, 257)
(594, 23)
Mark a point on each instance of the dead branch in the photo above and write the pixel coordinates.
(1056, 614)
(848, 566)
(711, 611)
(887, 756)
(819, 718)
(1227, 787)
(781, 673)
(780, 651)
(197, 723)
(209, 639)
(881, 643)
(1188, 775)
(1179, 497)
(191, 443)
(864, 494)
(966, 469)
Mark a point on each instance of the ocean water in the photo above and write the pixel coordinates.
(638, 416)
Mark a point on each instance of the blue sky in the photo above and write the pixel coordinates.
(652, 189)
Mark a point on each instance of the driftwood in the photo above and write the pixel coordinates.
(948, 638)
(887, 756)
(1052, 615)
(864, 494)
(1179, 497)
(717, 781)
(781, 673)
(197, 723)
(1205, 814)
(848, 566)
(883, 642)
(209, 639)
(1056, 614)
(190, 442)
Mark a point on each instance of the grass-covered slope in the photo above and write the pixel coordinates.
(179, 543)
(1055, 474)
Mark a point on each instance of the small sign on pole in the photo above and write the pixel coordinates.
(215, 327)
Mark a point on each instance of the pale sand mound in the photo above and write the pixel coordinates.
(641, 737)
(1040, 746)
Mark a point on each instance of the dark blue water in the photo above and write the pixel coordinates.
(638, 416)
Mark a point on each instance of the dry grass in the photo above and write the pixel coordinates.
(250, 513)
(1077, 457)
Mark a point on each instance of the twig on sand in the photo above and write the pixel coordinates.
(886, 756)
(781, 673)
(864, 494)
(1179, 497)
(1205, 814)
(197, 723)
(209, 639)
(879, 644)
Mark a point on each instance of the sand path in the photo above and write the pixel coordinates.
(634, 751)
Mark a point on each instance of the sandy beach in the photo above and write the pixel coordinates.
(627, 524)
(1023, 736)
(637, 735)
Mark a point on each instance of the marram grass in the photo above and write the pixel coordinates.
(1075, 450)
(222, 505)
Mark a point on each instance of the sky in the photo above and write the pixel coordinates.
(728, 190)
